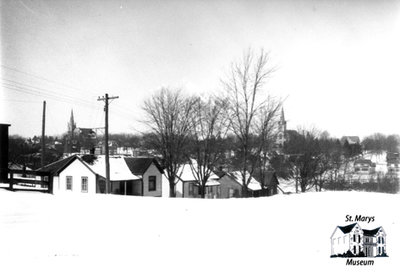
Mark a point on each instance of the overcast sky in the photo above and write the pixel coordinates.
(339, 61)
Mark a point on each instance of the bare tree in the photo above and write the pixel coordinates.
(306, 157)
(169, 115)
(248, 100)
(209, 130)
(267, 128)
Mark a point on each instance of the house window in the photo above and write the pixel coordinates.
(379, 250)
(355, 249)
(69, 182)
(231, 192)
(379, 240)
(354, 237)
(152, 183)
(84, 182)
(383, 240)
(359, 238)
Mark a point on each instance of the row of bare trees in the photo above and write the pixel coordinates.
(195, 129)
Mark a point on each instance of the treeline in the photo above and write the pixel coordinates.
(379, 142)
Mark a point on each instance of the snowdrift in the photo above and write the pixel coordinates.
(42, 233)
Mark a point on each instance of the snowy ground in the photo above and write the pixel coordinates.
(42, 233)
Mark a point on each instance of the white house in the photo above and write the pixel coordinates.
(374, 242)
(352, 238)
(188, 186)
(232, 184)
(149, 173)
(86, 174)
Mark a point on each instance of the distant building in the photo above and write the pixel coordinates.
(364, 166)
(281, 136)
(393, 162)
(189, 185)
(351, 140)
(232, 185)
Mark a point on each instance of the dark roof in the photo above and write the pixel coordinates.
(271, 179)
(220, 173)
(351, 139)
(363, 162)
(371, 232)
(140, 165)
(58, 166)
(347, 229)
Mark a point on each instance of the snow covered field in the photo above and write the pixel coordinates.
(42, 233)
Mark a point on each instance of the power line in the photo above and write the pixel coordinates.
(47, 95)
(45, 79)
(39, 89)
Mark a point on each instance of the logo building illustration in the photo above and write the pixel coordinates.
(353, 241)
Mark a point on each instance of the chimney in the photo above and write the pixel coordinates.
(4, 152)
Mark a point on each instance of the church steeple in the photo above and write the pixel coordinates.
(281, 136)
(71, 124)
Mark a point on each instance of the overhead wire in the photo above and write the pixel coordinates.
(121, 111)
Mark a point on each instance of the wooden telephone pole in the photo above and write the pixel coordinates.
(106, 99)
(43, 134)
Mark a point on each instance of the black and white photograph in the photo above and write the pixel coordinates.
(199, 136)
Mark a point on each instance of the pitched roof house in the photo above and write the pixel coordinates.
(149, 172)
(232, 185)
(86, 174)
(189, 186)
(354, 240)
(351, 140)
(270, 184)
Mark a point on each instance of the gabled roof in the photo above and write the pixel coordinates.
(371, 232)
(139, 166)
(119, 170)
(363, 162)
(348, 228)
(352, 140)
(185, 174)
(58, 166)
(270, 178)
(237, 177)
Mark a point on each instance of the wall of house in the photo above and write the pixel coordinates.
(190, 190)
(136, 188)
(381, 245)
(229, 185)
(340, 243)
(77, 170)
(152, 171)
(358, 244)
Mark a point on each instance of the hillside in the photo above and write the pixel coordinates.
(42, 233)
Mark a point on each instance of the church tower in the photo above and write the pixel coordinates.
(71, 125)
(70, 138)
(281, 137)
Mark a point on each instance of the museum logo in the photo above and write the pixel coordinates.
(353, 242)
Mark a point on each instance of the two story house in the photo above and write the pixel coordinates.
(360, 242)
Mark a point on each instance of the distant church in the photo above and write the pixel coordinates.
(282, 135)
(77, 139)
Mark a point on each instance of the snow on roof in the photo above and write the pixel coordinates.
(288, 186)
(185, 173)
(119, 171)
(253, 185)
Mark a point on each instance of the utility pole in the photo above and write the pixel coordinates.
(106, 98)
(43, 133)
